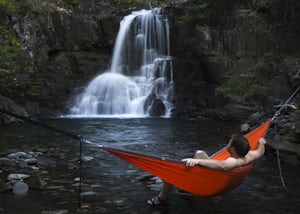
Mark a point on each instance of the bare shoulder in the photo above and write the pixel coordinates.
(232, 162)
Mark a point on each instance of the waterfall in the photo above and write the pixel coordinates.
(140, 79)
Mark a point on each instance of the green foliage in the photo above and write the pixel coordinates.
(197, 15)
(237, 85)
(129, 1)
(7, 37)
(8, 66)
(23, 6)
(8, 5)
(72, 2)
(291, 139)
(13, 7)
(9, 48)
(274, 58)
(132, 2)
(213, 12)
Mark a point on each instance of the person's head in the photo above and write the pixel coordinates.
(238, 145)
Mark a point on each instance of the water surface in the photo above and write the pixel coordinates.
(117, 186)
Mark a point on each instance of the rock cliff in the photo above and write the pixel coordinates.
(244, 51)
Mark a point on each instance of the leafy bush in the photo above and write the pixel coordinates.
(73, 2)
(241, 86)
(9, 48)
(129, 2)
(23, 6)
(197, 15)
(8, 5)
(8, 66)
(12, 7)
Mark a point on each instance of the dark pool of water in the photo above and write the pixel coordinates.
(117, 186)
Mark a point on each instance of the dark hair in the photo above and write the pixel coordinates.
(240, 144)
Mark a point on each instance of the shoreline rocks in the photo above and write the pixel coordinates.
(20, 188)
(25, 172)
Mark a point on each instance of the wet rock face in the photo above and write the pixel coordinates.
(11, 106)
(157, 109)
(61, 48)
(149, 100)
(218, 41)
(154, 106)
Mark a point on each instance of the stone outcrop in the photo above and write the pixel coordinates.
(11, 106)
(154, 106)
(61, 48)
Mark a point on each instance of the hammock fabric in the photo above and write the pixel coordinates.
(199, 181)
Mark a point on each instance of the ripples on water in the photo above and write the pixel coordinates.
(117, 184)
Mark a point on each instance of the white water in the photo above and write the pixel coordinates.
(140, 66)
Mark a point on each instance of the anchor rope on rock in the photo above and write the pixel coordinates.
(280, 169)
(283, 106)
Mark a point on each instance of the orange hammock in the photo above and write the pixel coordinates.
(199, 181)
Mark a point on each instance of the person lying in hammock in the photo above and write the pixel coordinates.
(238, 147)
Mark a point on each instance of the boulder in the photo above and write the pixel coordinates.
(149, 100)
(9, 105)
(20, 188)
(157, 108)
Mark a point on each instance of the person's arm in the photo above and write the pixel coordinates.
(230, 162)
(227, 164)
(255, 154)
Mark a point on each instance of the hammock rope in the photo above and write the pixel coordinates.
(280, 169)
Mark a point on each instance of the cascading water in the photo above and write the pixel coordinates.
(140, 79)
